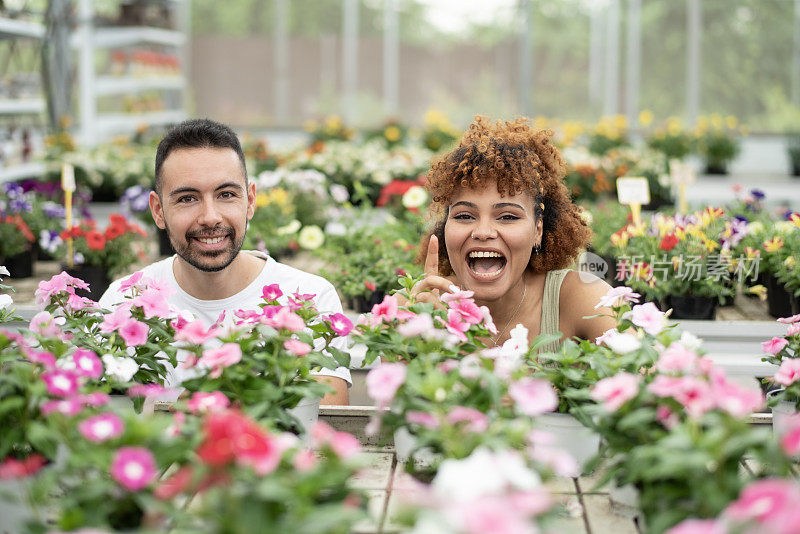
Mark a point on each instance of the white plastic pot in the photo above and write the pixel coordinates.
(624, 500)
(781, 412)
(405, 443)
(307, 413)
(570, 435)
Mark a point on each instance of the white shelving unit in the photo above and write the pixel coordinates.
(21, 29)
(88, 39)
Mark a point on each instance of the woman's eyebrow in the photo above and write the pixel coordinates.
(464, 203)
(508, 205)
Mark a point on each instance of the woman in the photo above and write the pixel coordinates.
(508, 231)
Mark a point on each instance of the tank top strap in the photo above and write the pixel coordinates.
(550, 306)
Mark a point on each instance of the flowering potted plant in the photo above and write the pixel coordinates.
(778, 246)
(258, 156)
(784, 352)
(99, 256)
(609, 132)
(716, 142)
(16, 251)
(671, 139)
(392, 132)
(438, 132)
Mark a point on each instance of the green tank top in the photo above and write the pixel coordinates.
(550, 307)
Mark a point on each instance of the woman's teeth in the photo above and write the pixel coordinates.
(485, 254)
(486, 264)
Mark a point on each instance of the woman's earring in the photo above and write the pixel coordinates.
(537, 248)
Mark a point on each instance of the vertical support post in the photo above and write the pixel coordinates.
(185, 50)
(349, 59)
(694, 22)
(391, 57)
(281, 63)
(596, 53)
(633, 60)
(88, 110)
(796, 56)
(611, 89)
(525, 58)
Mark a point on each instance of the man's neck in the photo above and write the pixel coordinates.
(221, 284)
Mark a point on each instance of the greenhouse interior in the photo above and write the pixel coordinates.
(265, 266)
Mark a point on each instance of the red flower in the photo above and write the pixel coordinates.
(668, 242)
(175, 485)
(114, 231)
(115, 219)
(369, 285)
(13, 468)
(95, 240)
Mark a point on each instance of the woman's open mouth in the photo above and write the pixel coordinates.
(486, 263)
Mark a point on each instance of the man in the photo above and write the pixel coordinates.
(204, 201)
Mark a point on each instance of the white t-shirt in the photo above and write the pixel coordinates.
(289, 279)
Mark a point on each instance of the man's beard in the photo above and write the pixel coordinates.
(196, 258)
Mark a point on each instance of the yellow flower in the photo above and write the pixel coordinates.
(702, 123)
(540, 122)
(262, 199)
(744, 130)
(794, 218)
(716, 121)
(789, 262)
(620, 240)
(773, 245)
(646, 117)
(710, 244)
(289, 229)
(620, 122)
(731, 122)
(676, 262)
(392, 133)
(759, 290)
(333, 122)
(434, 117)
(751, 252)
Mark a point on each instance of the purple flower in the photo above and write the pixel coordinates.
(53, 211)
(757, 194)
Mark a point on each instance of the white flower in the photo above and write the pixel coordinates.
(483, 473)
(4, 271)
(290, 228)
(621, 343)
(415, 197)
(5, 301)
(784, 227)
(335, 228)
(339, 193)
(518, 342)
(120, 368)
(268, 179)
(690, 341)
(311, 237)
(755, 227)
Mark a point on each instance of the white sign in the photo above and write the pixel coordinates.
(633, 191)
(67, 177)
(681, 173)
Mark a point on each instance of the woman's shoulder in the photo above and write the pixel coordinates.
(580, 292)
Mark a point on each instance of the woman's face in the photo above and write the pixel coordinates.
(489, 239)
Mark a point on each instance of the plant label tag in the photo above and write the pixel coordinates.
(681, 173)
(68, 177)
(633, 190)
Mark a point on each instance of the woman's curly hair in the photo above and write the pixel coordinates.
(520, 159)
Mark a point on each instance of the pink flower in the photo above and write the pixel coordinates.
(283, 318)
(383, 381)
(271, 292)
(134, 332)
(45, 325)
(477, 421)
(130, 282)
(87, 364)
(469, 311)
(147, 390)
(676, 359)
(456, 294)
(340, 324)
(695, 395)
(560, 461)
(491, 515)
(790, 320)
(69, 407)
(101, 427)
(533, 396)
(424, 419)
(114, 320)
(771, 502)
(42, 357)
(61, 383)
(94, 399)
(793, 330)
(345, 445)
(195, 332)
(455, 324)
(733, 398)
(297, 347)
(774, 345)
(153, 303)
(487, 320)
(202, 402)
(133, 467)
(58, 283)
(614, 391)
(617, 296)
(650, 318)
(789, 372)
(698, 526)
(666, 417)
(385, 311)
(416, 326)
(790, 438)
(76, 303)
(304, 460)
(225, 356)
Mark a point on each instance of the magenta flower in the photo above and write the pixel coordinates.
(424, 419)
(134, 332)
(69, 407)
(101, 427)
(147, 390)
(383, 382)
(297, 347)
(774, 345)
(789, 372)
(202, 402)
(195, 332)
(695, 395)
(224, 356)
(340, 324)
(133, 467)
(271, 292)
(476, 421)
(385, 311)
(533, 396)
(455, 324)
(42, 357)
(61, 383)
(87, 364)
(283, 318)
(617, 296)
(650, 318)
(130, 282)
(614, 391)
(153, 303)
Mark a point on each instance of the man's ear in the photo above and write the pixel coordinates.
(157, 210)
(251, 200)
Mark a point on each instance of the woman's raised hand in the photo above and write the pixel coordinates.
(433, 285)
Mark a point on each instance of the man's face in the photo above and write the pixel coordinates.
(204, 205)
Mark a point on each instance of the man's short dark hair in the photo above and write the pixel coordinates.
(197, 133)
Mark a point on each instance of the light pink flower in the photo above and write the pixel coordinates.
(297, 347)
(345, 445)
(789, 372)
(87, 363)
(456, 294)
(69, 407)
(774, 345)
(455, 324)
(385, 311)
(153, 303)
(202, 402)
(666, 417)
(614, 391)
(790, 320)
(45, 325)
(469, 311)
(383, 382)
(340, 324)
(650, 318)
(487, 320)
(58, 283)
(271, 292)
(617, 296)
(560, 461)
(491, 515)
(304, 460)
(61, 383)
(134, 332)
(698, 526)
(112, 321)
(130, 282)
(94, 399)
(448, 365)
(793, 330)
(621, 343)
(76, 303)
(676, 359)
(477, 421)
(147, 390)
(416, 326)
(424, 419)
(42, 357)
(695, 395)
(134, 468)
(790, 438)
(195, 332)
(224, 356)
(735, 399)
(771, 502)
(470, 367)
(102, 427)
(283, 318)
(533, 396)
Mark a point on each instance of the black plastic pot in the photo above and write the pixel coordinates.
(778, 303)
(716, 168)
(21, 265)
(96, 277)
(691, 307)
(364, 304)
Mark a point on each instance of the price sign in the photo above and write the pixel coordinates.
(633, 190)
(68, 185)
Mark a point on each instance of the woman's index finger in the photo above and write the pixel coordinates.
(432, 258)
